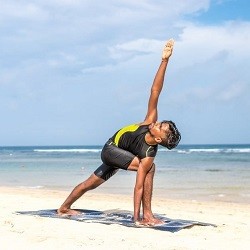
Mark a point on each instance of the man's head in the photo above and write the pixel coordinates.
(165, 133)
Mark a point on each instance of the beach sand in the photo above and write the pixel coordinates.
(30, 232)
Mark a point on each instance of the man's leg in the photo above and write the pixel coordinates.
(147, 197)
(92, 182)
(147, 194)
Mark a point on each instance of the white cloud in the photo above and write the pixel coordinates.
(140, 45)
(99, 13)
(135, 48)
(103, 68)
(199, 43)
(71, 43)
(11, 10)
(232, 91)
(64, 2)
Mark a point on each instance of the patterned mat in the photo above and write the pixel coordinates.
(120, 217)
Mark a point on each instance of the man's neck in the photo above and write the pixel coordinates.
(149, 139)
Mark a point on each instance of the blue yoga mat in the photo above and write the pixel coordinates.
(120, 217)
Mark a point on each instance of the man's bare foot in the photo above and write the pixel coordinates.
(151, 221)
(68, 211)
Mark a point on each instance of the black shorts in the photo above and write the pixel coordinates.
(113, 158)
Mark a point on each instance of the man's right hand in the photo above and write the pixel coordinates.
(167, 51)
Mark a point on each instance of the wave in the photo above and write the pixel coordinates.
(194, 150)
(238, 150)
(82, 150)
(32, 187)
(209, 150)
(214, 170)
(205, 150)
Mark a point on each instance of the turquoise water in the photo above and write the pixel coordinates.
(195, 172)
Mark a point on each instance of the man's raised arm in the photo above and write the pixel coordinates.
(152, 113)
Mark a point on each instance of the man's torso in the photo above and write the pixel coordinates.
(132, 139)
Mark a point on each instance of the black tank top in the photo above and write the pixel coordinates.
(132, 139)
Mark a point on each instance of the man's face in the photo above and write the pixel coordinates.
(159, 129)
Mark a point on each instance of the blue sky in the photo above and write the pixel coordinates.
(73, 72)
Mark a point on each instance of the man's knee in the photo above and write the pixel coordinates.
(152, 169)
(134, 165)
(93, 182)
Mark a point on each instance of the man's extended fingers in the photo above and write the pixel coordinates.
(167, 51)
(170, 43)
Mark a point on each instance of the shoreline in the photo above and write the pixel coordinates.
(30, 232)
(172, 194)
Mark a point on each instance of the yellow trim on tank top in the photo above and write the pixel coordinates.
(129, 128)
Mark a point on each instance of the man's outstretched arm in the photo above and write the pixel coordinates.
(152, 113)
(144, 167)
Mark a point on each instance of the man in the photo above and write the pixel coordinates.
(134, 148)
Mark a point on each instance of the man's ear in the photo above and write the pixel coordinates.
(158, 139)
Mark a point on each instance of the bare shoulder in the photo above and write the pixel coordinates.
(145, 123)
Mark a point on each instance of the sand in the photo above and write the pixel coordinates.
(30, 232)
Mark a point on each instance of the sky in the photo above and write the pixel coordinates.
(72, 72)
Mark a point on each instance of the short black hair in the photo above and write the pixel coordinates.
(173, 136)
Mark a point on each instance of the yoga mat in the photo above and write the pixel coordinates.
(120, 217)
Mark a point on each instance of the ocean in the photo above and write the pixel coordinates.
(193, 172)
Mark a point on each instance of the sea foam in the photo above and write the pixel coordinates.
(85, 150)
